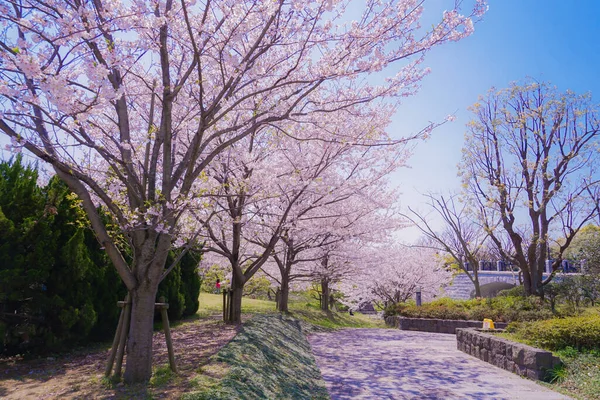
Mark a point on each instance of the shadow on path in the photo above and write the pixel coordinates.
(394, 364)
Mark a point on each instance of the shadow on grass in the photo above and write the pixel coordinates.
(269, 358)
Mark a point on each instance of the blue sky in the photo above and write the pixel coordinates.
(557, 41)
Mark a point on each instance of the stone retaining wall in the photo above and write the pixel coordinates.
(434, 325)
(518, 358)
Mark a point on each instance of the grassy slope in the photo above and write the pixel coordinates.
(269, 359)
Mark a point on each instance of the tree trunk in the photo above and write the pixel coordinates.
(284, 294)
(236, 302)
(527, 282)
(476, 284)
(324, 295)
(139, 344)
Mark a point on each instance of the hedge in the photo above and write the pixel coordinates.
(558, 333)
(504, 309)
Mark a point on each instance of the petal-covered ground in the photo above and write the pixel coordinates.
(395, 364)
(79, 375)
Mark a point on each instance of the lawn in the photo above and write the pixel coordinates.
(302, 307)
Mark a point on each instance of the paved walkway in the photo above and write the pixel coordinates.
(395, 364)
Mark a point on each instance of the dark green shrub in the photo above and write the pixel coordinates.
(181, 287)
(191, 281)
(54, 276)
(57, 285)
(559, 333)
(170, 288)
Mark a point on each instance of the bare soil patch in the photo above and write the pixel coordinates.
(80, 374)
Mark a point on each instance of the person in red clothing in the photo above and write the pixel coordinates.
(218, 286)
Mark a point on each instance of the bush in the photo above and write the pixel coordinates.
(560, 333)
(517, 291)
(259, 287)
(181, 288)
(504, 309)
(57, 285)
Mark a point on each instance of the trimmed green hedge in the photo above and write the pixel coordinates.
(558, 333)
(503, 309)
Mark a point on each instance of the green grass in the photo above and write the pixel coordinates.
(269, 359)
(301, 306)
(580, 375)
(213, 304)
(162, 375)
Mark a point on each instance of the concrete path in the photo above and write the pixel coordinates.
(395, 364)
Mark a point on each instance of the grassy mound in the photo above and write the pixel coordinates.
(269, 359)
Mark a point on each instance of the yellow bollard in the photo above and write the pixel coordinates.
(488, 324)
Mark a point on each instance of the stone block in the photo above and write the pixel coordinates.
(487, 342)
(518, 353)
(536, 359)
(509, 365)
(500, 360)
(509, 348)
(533, 374)
(520, 370)
(477, 352)
(485, 355)
(499, 347)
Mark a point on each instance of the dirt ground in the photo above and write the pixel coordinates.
(80, 374)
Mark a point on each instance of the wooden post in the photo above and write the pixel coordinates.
(225, 312)
(165, 320)
(116, 340)
(230, 308)
(123, 339)
(228, 305)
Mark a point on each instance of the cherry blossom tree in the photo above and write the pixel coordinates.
(462, 236)
(130, 102)
(393, 274)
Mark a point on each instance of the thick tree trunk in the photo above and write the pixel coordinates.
(151, 252)
(139, 344)
(284, 294)
(235, 316)
(527, 282)
(324, 294)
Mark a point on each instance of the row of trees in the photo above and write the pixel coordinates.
(530, 181)
(169, 113)
(57, 285)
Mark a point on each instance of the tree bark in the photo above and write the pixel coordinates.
(284, 294)
(139, 344)
(237, 287)
(325, 294)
